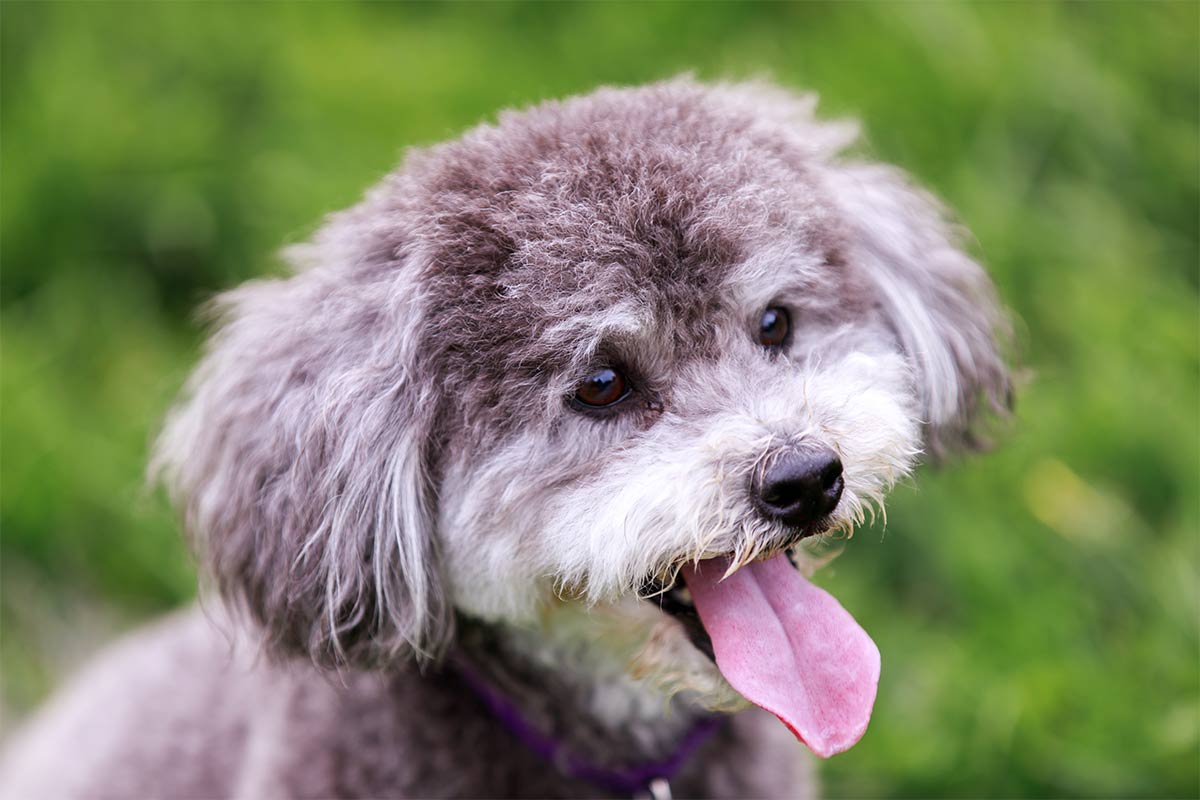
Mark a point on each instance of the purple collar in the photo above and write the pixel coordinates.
(630, 780)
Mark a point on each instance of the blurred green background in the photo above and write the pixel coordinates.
(1036, 607)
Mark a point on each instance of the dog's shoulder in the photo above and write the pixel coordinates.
(191, 705)
(130, 714)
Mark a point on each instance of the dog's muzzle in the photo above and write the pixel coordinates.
(799, 491)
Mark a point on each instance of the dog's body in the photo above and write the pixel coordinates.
(212, 719)
(607, 347)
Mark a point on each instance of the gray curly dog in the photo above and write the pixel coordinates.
(510, 486)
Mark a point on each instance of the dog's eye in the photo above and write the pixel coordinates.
(604, 387)
(773, 327)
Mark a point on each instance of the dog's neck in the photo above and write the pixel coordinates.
(572, 683)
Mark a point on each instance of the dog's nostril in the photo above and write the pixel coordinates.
(831, 473)
(801, 488)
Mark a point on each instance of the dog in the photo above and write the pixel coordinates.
(509, 487)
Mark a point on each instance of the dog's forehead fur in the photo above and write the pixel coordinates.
(559, 232)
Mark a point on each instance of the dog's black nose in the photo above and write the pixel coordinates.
(801, 489)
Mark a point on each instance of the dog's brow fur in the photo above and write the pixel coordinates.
(377, 452)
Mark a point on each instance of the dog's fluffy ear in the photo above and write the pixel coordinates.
(940, 303)
(299, 456)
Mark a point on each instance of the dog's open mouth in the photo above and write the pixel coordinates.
(675, 599)
(782, 643)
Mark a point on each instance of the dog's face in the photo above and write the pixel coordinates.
(556, 360)
(653, 372)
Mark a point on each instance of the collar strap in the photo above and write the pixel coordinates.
(629, 780)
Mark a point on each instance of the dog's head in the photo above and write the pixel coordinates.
(565, 355)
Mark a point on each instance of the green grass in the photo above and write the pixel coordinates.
(1036, 607)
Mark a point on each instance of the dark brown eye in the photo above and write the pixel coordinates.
(774, 327)
(604, 387)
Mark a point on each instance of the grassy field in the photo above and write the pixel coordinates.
(1036, 607)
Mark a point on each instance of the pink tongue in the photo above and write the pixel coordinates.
(789, 647)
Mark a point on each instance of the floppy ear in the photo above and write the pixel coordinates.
(939, 302)
(299, 456)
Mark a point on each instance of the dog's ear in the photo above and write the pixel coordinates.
(940, 303)
(300, 458)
